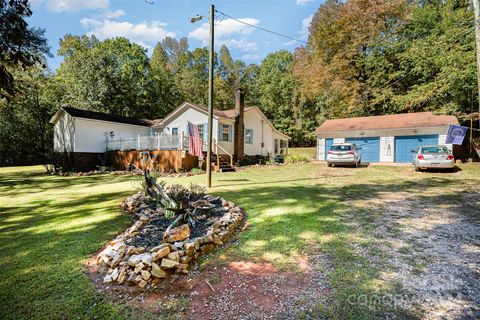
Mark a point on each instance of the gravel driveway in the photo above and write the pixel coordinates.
(424, 236)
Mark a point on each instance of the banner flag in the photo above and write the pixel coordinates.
(456, 134)
(194, 140)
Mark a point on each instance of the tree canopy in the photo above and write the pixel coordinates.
(20, 45)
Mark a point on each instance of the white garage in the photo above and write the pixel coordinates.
(387, 138)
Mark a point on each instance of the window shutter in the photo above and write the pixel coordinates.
(204, 131)
(230, 133)
(251, 136)
(219, 138)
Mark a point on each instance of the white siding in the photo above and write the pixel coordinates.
(91, 135)
(262, 132)
(197, 117)
(227, 145)
(63, 133)
(441, 141)
(387, 147)
(181, 121)
(320, 149)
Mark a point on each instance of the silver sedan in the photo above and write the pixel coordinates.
(434, 156)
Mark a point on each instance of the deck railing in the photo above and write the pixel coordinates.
(156, 142)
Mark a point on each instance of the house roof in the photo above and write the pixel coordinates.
(87, 114)
(229, 113)
(392, 121)
(225, 114)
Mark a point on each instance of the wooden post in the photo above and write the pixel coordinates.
(210, 97)
(158, 140)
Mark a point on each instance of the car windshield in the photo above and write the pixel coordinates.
(438, 149)
(341, 148)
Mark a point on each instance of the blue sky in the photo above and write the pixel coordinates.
(146, 24)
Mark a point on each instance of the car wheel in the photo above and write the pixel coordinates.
(329, 164)
(417, 169)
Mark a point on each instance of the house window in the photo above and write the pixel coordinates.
(175, 131)
(202, 130)
(249, 136)
(225, 132)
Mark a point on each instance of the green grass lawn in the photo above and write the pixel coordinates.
(307, 151)
(49, 227)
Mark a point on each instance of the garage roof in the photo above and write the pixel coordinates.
(392, 121)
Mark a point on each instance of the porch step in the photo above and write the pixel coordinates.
(220, 166)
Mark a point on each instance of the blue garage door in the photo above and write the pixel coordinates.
(328, 144)
(404, 145)
(370, 147)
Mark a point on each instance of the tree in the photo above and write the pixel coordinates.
(20, 45)
(112, 76)
(428, 64)
(26, 136)
(332, 66)
(276, 86)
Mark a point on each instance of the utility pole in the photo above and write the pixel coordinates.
(210, 92)
(210, 99)
(476, 13)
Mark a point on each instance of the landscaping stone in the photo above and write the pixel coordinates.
(177, 234)
(134, 260)
(145, 264)
(157, 272)
(174, 256)
(161, 253)
(145, 275)
(139, 267)
(169, 264)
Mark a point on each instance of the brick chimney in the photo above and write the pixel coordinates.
(238, 142)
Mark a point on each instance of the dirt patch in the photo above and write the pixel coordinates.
(252, 290)
(257, 291)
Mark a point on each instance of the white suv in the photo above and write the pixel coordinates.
(344, 154)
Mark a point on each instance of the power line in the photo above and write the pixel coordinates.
(260, 28)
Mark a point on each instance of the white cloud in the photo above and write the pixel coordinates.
(227, 33)
(109, 14)
(240, 44)
(140, 33)
(75, 5)
(303, 2)
(223, 28)
(305, 25)
(303, 33)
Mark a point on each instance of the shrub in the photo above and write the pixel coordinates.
(300, 158)
(196, 171)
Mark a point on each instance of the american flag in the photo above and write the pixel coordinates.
(194, 140)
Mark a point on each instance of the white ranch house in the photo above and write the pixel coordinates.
(87, 136)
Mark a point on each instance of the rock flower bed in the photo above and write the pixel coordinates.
(151, 250)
